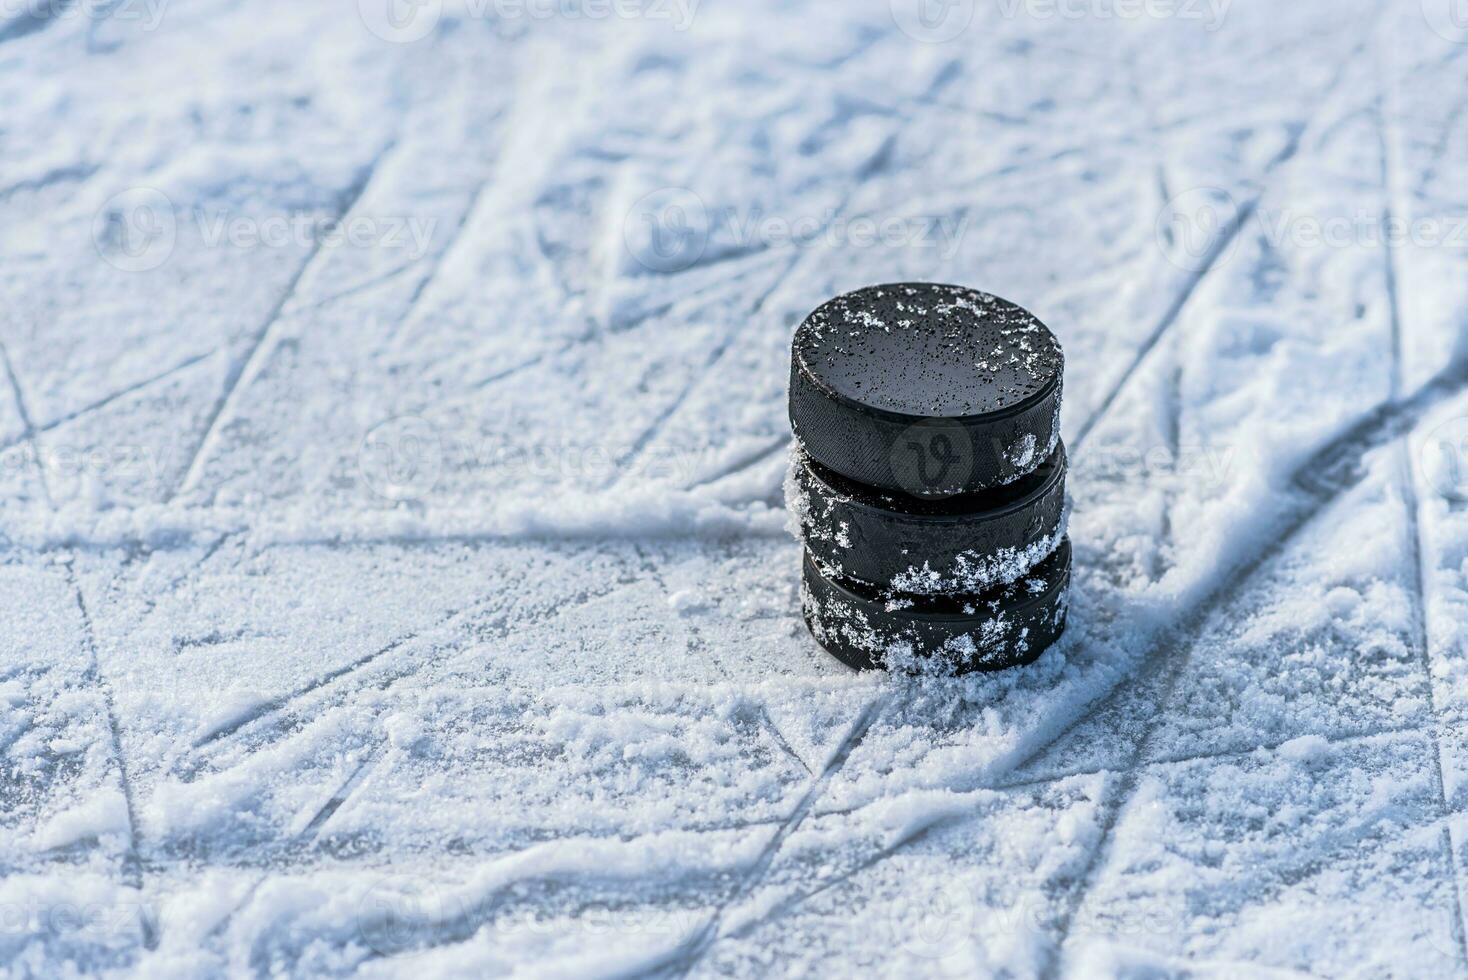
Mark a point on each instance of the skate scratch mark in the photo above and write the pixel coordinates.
(28, 428)
(780, 738)
(360, 287)
(690, 303)
(132, 867)
(1422, 640)
(1346, 737)
(277, 704)
(731, 333)
(699, 943)
(307, 834)
(910, 839)
(259, 348)
(1330, 474)
(340, 797)
(106, 400)
(1341, 464)
(431, 276)
(876, 164)
(698, 646)
(742, 463)
(1416, 553)
(1220, 248)
(209, 553)
(1236, 579)
(742, 266)
(916, 837)
(445, 628)
(472, 913)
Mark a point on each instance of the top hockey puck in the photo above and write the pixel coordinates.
(926, 389)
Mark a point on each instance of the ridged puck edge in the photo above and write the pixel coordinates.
(892, 542)
(1006, 627)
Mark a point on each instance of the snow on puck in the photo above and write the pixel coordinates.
(892, 542)
(930, 390)
(1008, 626)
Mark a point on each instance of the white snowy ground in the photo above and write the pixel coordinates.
(417, 600)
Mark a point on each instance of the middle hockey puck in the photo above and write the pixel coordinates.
(964, 544)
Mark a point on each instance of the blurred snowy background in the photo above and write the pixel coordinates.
(395, 576)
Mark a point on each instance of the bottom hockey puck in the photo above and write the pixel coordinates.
(1004, 627)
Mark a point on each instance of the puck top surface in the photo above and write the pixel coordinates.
(928, 351)
(924, 389)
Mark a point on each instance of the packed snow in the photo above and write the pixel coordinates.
(396, 576)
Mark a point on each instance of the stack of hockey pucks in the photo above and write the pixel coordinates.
(928, 480)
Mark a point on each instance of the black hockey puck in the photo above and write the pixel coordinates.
(928, 390)
(896, 543)
(1005, 627)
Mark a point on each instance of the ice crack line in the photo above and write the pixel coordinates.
(1220, 247)
(258, 347)
(1302, 513)
(101, 403)
(132, 868)
(878, 162)
(308, 833)
(1313, 496)
(639, 446)
(700, 942)
(132, 861)
(440, 633)
(1324, 478)
(1415, 549)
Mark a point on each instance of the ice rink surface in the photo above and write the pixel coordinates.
(396, 579)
